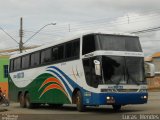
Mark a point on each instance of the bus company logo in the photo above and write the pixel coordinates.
(115, 87)
(19, 75)
(133, 54)
(55, 84)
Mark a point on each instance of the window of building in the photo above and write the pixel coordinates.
(5, 71)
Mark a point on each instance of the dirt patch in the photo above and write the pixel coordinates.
(3, 110)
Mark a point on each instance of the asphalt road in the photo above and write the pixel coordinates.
(150, 111)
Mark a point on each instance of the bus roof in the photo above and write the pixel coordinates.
(68, 38)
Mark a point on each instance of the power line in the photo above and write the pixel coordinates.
(9, 35)
(146, 30)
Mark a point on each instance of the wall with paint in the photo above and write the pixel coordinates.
(4, 61)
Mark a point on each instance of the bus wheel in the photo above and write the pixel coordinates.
(27, 101)
(116, 107)
(22, 101)
(79, 102)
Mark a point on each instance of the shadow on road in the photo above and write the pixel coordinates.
(101, 110)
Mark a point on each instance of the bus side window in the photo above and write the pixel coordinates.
(55, 53)
(17, 63)
(72, 49)
(11, 65)
(68, 50)
(88, 44)
(25, 61)
(35, 59)
(46, 56)
(91, 78)
(60, 52)
(76, 48)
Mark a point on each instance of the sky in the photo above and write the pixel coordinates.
(74, 16)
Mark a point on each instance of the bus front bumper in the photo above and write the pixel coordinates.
(116, 98)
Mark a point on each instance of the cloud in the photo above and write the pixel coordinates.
(81, 15)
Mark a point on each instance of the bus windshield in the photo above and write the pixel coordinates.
(95, 42)
(123, 70)
(118, 43)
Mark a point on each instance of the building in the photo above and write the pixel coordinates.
(4, 61)
(156, 62)
(154, 83)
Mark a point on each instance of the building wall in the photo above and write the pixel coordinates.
(156, 62)
(4, 60)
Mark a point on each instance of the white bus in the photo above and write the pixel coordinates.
(90, 69)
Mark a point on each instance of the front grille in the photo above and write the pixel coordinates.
(127, 90)
(119, 90)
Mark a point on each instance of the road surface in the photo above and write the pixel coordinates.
(151, 110)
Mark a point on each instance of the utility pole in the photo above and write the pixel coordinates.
(69, 28)
(21, 36)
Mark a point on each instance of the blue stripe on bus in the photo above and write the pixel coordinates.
(73, 84)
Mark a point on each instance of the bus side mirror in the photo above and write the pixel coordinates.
(149, 70)
(97, 67)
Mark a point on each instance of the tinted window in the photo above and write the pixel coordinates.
(17, 63)
(135, 70)
(11, 65)
(113, 69)
(46, 56)
(55, 53)
(68, 50)
(76, 48)
(60, 52)
(118, 43)
(112, 42)
(25, 61)
(35, 59)
(72, 49)
(91, 78)
(133, 44)
(88, 44)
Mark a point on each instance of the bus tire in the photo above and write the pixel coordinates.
(28, 102)
(79, 102)
(22, 101)
(116, 107)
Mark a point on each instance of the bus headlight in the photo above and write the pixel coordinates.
(108, 98)
(145, 97)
